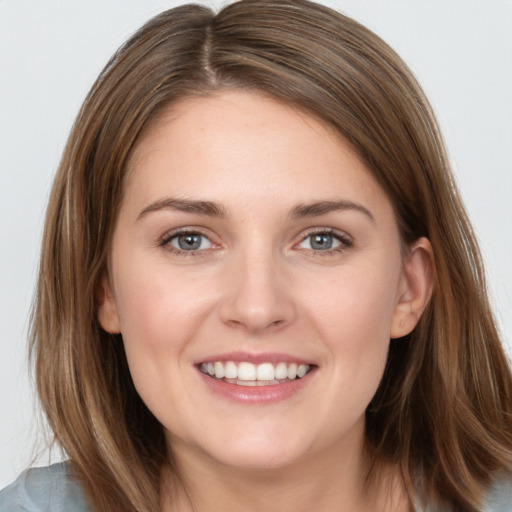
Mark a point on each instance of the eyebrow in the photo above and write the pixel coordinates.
(212, 209)
(207, 208)
(323, 207)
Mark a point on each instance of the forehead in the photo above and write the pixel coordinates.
(246, 146)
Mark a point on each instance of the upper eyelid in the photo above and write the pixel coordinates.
(304, 234)
(165, 242)
(168, 235)
(331, 231)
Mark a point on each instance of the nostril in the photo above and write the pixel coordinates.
(255, 320)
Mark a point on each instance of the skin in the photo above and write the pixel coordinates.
(257, 285)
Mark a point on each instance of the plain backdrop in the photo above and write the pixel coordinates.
(51, 51)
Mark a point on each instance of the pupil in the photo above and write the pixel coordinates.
(189, 242)
(321, 241)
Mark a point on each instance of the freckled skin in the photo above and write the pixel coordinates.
(256, 284)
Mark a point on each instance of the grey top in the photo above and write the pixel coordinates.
(48, 489)
(52, 489)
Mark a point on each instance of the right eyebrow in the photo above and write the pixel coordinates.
(198, 207)
(319, 208)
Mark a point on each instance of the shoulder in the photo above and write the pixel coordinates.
(50, 488)
(499, 496)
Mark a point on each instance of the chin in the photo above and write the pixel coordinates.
(256, 451)
(258, 458)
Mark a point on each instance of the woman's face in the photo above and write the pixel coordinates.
(252, 242)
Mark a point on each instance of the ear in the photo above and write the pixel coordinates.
(107, 309)
(416, 287)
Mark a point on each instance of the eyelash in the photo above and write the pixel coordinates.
(168, 238)
(345, 242)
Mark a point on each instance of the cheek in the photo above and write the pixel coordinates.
(352, 316)
(160, 313)
(357, 305)
(159, 305)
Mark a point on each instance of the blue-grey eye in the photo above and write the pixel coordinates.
(190, 242)
(322, 242)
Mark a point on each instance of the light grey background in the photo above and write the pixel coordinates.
(51, 51)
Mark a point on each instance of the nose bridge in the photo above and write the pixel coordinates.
(257, 298)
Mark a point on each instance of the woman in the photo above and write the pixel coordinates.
(258, 288)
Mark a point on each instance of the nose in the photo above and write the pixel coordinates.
(258, 297)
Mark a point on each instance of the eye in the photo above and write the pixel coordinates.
(325, 241)
(187, 242)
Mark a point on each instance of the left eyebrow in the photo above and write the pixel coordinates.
(323, 207)
(207, 208)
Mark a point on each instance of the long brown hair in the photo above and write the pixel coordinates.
(442, 413)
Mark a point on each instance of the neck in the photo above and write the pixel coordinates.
(335, 481)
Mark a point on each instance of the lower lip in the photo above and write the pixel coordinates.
(256, 394)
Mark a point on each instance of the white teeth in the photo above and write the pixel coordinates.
(219, 370)
(302, 370)
(253, 383)
(292, 371)
(246, 371)
(248, 383)
(281, 371)
(265, 371)
(248, 374)
(230, 370)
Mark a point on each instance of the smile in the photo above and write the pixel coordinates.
(248, 374)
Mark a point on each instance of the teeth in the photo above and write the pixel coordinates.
(230, 370)
(248, 374)
(281, 371)
(302, 370)
(219, 370)
(265, 371)
(246, 371)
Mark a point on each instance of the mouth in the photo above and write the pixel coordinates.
(244, 373)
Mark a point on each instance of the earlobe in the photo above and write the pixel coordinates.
(417, 285)
(106, 306)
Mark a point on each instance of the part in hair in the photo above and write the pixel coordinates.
(442, 413)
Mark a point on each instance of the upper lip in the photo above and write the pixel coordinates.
(254, 358)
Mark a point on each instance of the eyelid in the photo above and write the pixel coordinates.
(188, 230)
(345, 239)
(165, 240)
(177, 238)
